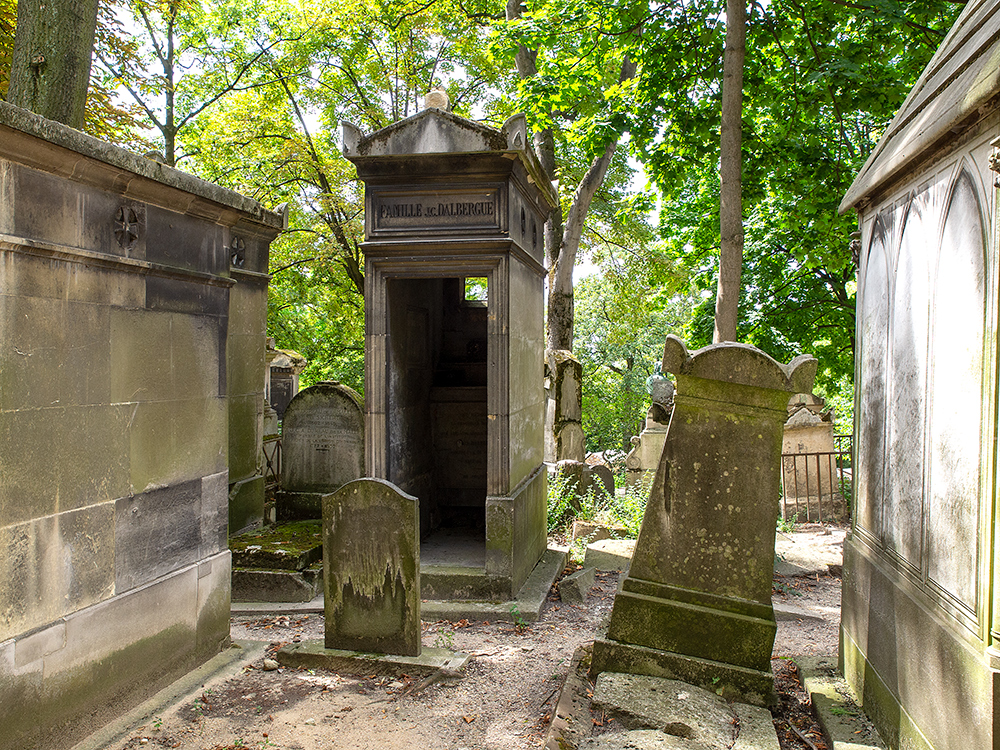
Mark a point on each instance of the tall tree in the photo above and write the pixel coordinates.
(189, 55)
(574, 75)
(823, 81)
(50, 63)
(727, 298)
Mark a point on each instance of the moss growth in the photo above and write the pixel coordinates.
(73, 702)
(296, 538)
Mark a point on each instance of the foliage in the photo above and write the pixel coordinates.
(560, 502)
(105, 116)
(822, 81)
(625, 508)
(369, 63)
(623, 317)
(187, 56)
(8, 22)
(628, 506)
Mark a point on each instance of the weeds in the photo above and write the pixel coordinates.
(787, 525)
(625, 508)
(445, 639)
(520, 624)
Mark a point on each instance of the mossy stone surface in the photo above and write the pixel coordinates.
(371, 568)
(699, 584)
(286, 546)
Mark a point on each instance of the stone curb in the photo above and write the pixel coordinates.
(217, 669)
(571, 717)
(844, 723)
(315, 655)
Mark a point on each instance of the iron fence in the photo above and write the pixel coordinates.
(272, 461)
(817, 486)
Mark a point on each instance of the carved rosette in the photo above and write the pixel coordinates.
(127, 228)
(238, 252)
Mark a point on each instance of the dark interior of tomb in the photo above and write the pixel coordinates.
(437, 412)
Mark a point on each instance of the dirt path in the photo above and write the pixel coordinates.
(504, 701)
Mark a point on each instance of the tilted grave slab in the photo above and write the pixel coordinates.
(696, 604)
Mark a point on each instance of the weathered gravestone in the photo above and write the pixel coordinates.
(322, 447)
(604, 479)
(696, 604)
(564, 438)
(371, 569)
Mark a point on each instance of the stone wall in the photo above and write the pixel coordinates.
(918, 623)
(123, 330)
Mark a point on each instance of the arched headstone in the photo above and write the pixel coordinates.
(322, 448)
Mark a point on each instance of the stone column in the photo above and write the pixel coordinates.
(696, 604)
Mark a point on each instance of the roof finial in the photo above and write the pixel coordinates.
(437, 98)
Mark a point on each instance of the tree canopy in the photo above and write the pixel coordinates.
(250, 94)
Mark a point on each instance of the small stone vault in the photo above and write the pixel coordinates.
(454, 398)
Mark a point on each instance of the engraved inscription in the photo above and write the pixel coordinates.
(402, 212)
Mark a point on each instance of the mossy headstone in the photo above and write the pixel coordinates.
(322, 447)
(696, 604)
(371, 568)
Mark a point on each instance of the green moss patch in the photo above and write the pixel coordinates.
(287, 546)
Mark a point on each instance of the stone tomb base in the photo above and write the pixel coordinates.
(750, 685)
(315, 655)
(697, 623)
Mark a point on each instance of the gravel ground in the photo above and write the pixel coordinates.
(504, 700)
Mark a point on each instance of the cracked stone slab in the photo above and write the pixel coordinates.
(670, 706)
(640, 739)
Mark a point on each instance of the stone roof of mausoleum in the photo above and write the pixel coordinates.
(960, 85)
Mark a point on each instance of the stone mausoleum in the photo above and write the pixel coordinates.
(920, 625)
(454, 399)
(132, 314)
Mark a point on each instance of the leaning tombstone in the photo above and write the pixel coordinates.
(371, 569)
(696, 604)
(604, 479)
(322, 448)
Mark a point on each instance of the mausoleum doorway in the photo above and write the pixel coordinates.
(438, 407)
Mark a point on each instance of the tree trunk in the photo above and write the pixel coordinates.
(561, 309)
(566, 243)
(53, 47)
(727, 298)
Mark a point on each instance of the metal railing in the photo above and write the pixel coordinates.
(272, 461)
(811, 481)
